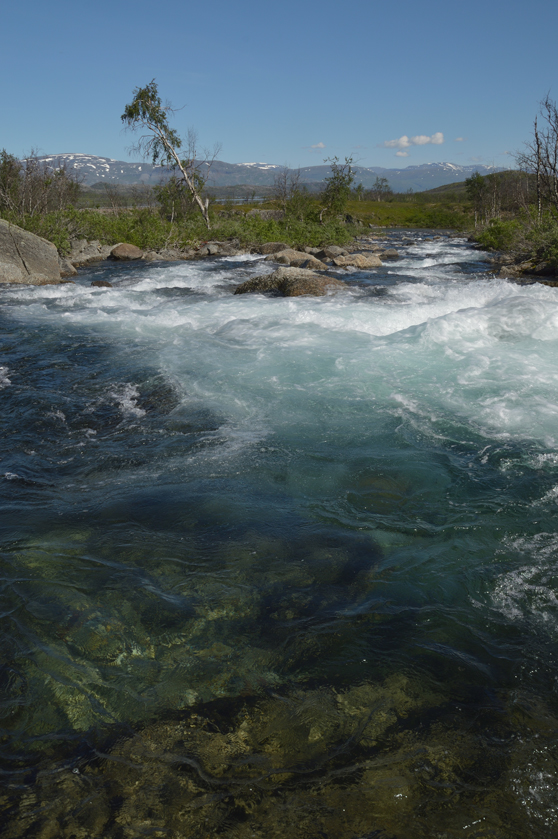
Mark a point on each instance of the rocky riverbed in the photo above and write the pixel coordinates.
(280, 566)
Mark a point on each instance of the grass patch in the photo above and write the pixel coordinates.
(412, 214)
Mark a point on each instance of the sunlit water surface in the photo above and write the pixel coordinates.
(278, 566)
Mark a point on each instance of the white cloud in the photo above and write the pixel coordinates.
(459, 140)
(402, 154)
(405, 142)
(318, 146)
(402, 143)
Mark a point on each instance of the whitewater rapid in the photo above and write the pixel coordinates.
(204, 493)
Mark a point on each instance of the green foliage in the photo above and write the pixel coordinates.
(302, 206)
(162, 143)
(543, 241)
(500, 234)
(380, 191)
(338, 187)
(475, 187)
(10, 175)
(147, 111)
(440, 218)
(51, 226)
(404, 213)
(175, 199)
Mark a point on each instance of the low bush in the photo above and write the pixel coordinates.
(503, 235)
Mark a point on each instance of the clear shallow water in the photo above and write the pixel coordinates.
(271, 563)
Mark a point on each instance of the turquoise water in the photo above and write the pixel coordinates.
(322, 530)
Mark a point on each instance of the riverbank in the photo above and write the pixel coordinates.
(523, 246)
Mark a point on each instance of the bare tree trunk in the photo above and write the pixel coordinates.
(538, 152)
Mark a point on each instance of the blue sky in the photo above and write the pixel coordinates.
(392, 84)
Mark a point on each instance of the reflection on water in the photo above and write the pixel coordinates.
(275, 567)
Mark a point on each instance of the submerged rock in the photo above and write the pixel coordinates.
(291, 282)
(387, 758)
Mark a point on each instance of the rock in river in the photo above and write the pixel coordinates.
(358, 260)
(298, 259)
(291, 282)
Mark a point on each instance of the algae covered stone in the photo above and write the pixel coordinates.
(291, 282)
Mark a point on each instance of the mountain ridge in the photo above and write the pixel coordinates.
(94, 169)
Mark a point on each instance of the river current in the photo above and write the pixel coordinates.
(280, 567)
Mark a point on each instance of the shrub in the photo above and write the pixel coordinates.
(501, 234)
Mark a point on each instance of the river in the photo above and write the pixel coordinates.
(280, 567)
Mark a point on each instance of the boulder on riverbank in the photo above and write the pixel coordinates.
(291, 282)
(26, 258)
(271, 247)
(216, 248)
(125, 252)
(84, 253)
(66, 268)
(509, 266)
(169, 255)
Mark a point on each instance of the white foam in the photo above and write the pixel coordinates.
(443, 350)
(126, 397)
(4, 380)
(528, 592)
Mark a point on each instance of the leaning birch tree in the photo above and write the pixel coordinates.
(161, 142)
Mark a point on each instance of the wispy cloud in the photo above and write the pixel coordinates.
(460, 139)
(406, 142)
(402, 154)
(315, 148)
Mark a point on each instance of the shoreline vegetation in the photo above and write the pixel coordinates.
(514, 213)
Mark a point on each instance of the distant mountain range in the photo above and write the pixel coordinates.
(94, 170)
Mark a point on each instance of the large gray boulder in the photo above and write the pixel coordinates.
(291, 282)
(84, 252)
(26, 258)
